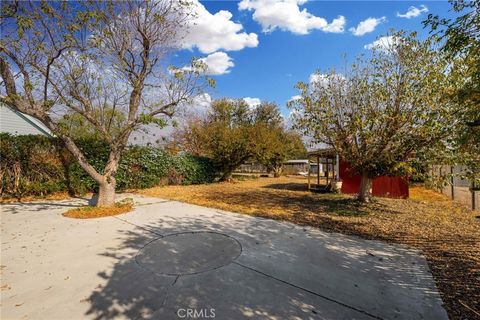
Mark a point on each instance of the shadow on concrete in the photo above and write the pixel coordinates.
(37, 207)
(283, 272)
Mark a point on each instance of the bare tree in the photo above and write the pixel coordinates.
(96, 60)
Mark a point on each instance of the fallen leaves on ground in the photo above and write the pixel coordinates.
(88, 212)
(447, 233)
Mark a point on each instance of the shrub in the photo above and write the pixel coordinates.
(37, 165)
(29, 166)
(195, 170)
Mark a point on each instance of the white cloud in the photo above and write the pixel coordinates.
(367, 26)
(252, 102)
(200, 107)
(336, 26)
(322, 81)
(212, 32)
(197, 108)
(318, 78)
(382, 43)
(218, 63)
(413, 12)
(202, 101)
(296, 97)
(289, 120)
(286, 15)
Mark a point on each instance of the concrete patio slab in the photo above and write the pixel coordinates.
(235, 292)
(168, 260)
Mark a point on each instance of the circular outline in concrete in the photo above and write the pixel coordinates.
(187, 273)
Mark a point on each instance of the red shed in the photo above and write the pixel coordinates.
(329, 169)
(384, 186)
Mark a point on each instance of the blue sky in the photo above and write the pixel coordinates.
(269, 66)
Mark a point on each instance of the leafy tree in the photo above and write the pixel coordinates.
(276, 145)
(224, 136)
(232, 133)
(268, 114)
(460, 39)
(460, 34)
(381, 110)
(90, 58)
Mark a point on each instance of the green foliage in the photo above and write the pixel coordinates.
(102, 91)
(233, 133)
(37, 165)
(224, 136)
(27, 166)
(418, 170)
(460, 38)
(275, 145)
(194, 169)
(77, 126)
(462, 33)
(382, 110)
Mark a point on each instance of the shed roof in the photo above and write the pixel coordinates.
(324, 152)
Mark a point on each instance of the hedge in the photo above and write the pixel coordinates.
(34, 165)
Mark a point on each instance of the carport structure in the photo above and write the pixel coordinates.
(338, 175)
(323, 158)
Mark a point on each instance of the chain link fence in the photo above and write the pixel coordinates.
(451, 181)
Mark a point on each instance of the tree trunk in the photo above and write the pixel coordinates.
(365, 192)
(227, 175)
(106, 193)
(277, 171)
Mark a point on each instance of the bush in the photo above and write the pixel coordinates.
(37, 165)
(29, 166)
(194, 170)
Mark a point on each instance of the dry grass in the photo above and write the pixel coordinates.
(447, 233)
(54, 196)
(89, 212)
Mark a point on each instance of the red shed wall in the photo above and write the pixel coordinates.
(385, 186)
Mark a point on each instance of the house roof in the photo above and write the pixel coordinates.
(15, 122)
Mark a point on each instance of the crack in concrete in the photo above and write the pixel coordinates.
(175, 281)
(309, 291)
(150, 203)
(140, 227)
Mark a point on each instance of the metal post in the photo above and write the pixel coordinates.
(474, 204)
(334, 175)
(318, 171)
(338, 166)
(440, 175)
(453, 183)
(326, 159)
(308, 158)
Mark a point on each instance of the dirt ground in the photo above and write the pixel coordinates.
(447, 233)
